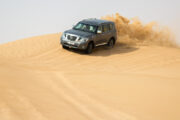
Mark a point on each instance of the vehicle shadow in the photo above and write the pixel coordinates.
(119, 48)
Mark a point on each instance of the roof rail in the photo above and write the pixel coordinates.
(91, 19)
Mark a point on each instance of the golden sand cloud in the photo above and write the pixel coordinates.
(133, 31)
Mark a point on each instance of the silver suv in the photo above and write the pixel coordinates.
(88, 34)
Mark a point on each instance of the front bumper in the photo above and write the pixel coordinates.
(74, 44)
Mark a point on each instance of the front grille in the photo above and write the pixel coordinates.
(71, 45)
(72, 38)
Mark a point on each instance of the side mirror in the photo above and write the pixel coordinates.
(99, 32)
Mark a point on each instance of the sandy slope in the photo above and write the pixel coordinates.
(41, 81)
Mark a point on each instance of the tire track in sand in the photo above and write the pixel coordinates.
(5, 112)
(21, 106)
(69, 98)
(82, 102)
(107, 112)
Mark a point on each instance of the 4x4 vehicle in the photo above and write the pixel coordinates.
(88, 34)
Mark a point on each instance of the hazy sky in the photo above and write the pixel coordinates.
(25, 18)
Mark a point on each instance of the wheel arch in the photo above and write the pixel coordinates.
(114, 39)
(92, 43)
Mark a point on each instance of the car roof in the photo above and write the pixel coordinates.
(95, 21)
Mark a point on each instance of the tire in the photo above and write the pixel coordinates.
(64, 47)
(89, 48)
(111, 43)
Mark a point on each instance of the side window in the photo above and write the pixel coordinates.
(105, 28)
(110, 27)
(99, 28)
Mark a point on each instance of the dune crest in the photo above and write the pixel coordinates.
(30, 46)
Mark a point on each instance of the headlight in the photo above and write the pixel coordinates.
(64, 36)
(82, 39)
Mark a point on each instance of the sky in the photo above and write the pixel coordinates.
(25, 18)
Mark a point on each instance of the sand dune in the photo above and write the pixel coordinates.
(41, 81)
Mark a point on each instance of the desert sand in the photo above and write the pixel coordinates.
(41, 81)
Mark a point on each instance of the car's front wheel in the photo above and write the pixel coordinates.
(89, 48)
(65, 47)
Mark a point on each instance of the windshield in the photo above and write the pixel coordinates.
(85, 27)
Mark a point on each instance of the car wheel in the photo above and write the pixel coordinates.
(89, 48)
(65, 47)
(111, 43)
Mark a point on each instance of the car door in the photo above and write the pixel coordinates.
(99, 36)
(106, 33)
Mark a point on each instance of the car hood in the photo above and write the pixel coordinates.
(79, 33)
